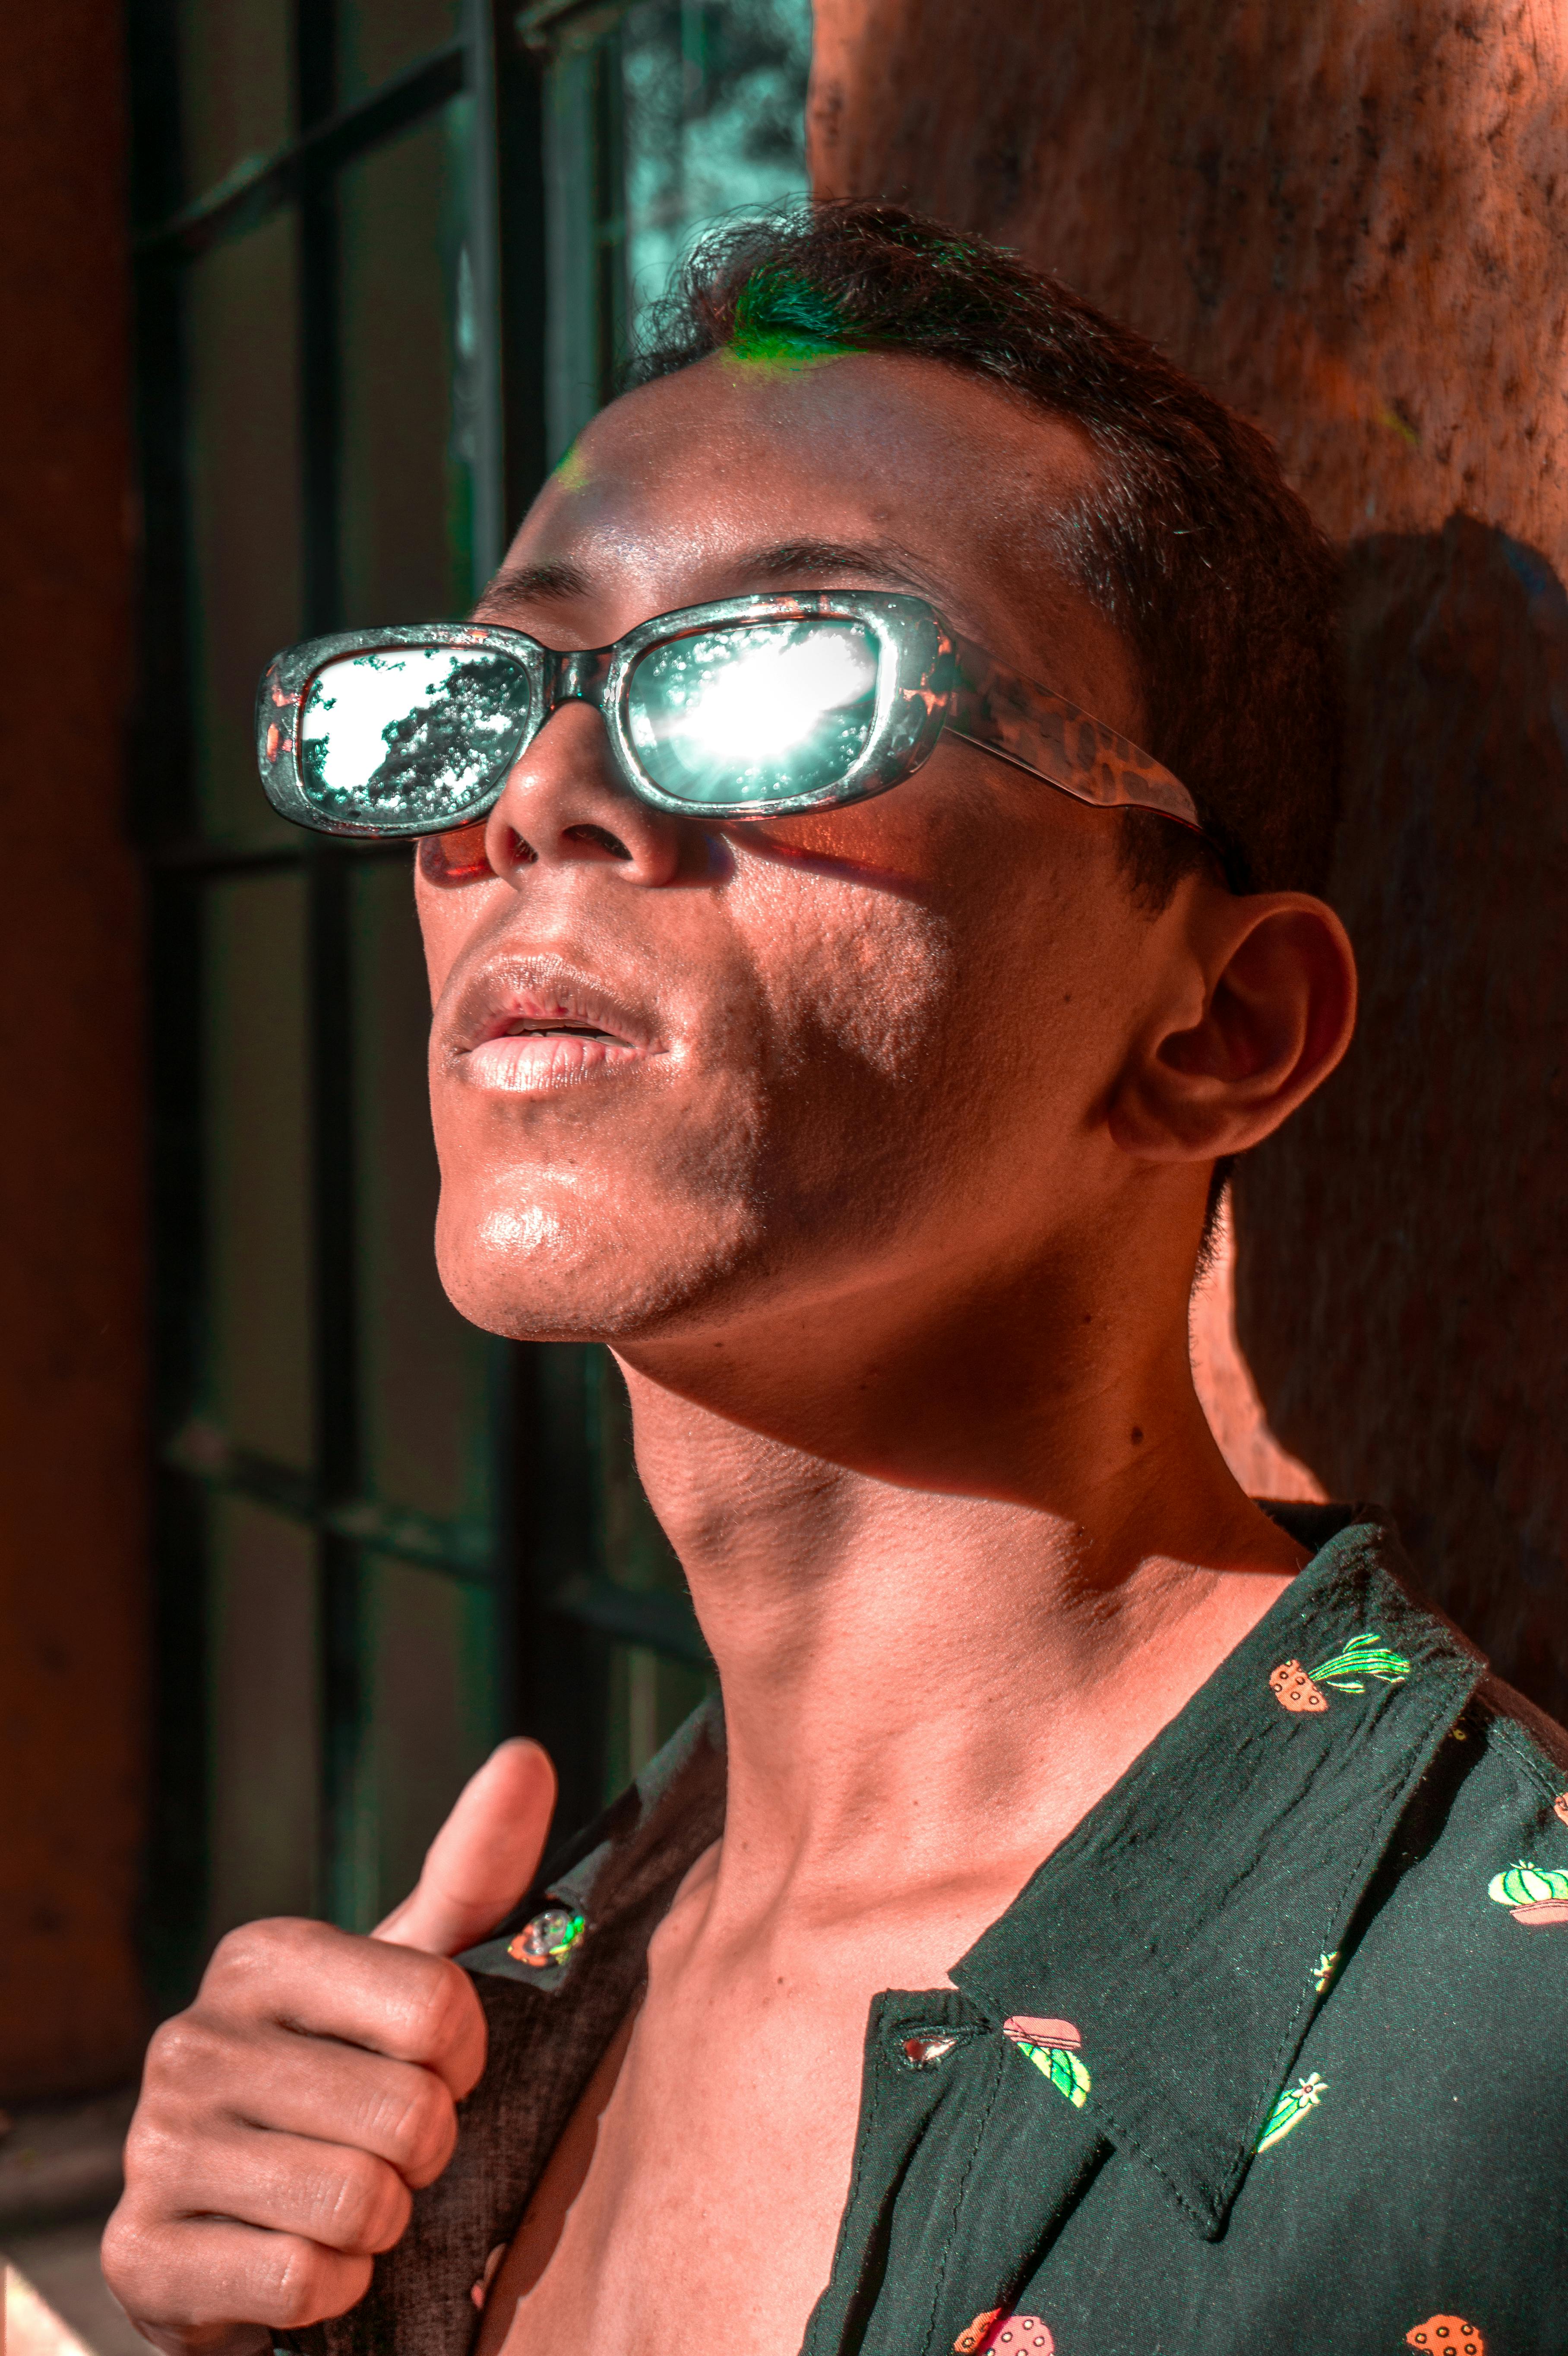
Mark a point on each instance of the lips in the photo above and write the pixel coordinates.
(529, 1030)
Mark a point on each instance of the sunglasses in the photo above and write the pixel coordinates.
(746, 708)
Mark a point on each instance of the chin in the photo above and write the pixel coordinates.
(538, 1273)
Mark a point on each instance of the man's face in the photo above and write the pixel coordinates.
(685, 1072)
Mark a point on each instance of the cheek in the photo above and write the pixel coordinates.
(851, 979)
(452, 905)
(943, 1041)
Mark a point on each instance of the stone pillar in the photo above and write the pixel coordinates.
(72, 1533)
(1350, 219)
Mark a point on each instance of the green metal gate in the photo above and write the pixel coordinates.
(388, 257)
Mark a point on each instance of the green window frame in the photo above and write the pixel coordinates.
(386, 258)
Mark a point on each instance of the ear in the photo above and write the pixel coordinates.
(1259, 1009)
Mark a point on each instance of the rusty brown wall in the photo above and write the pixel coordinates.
(1350, 219)
(71, 1311)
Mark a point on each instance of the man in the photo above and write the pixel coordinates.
(839, 1014)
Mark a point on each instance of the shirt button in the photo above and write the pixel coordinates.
(550, 1938)
(925, 2053)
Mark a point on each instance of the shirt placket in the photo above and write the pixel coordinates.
(966, 2162)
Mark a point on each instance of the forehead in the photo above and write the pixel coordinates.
(957, 483)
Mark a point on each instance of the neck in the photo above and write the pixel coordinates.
(939, 1557)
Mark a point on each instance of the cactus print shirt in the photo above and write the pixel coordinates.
(1271, 2054)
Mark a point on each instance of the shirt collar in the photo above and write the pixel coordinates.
(1187, 1926)
(618, 1875)
(1186, 1929)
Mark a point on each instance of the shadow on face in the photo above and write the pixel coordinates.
(682, 1073)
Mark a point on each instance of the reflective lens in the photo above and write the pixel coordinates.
(410, 736)
(759, 712)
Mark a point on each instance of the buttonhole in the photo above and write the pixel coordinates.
(926, 2051)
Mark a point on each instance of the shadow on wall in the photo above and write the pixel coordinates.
(1402, 1265)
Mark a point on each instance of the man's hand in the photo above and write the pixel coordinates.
(287, 2117)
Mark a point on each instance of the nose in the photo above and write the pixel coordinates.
(566, 803)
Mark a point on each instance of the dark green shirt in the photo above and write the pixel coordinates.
(1271, 2053)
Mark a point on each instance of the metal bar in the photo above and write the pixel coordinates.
(520, 257)
(157, 177)
(347, 1812)
(562, 1662)
(611, 304)
(174, 1926)
(464, 1549)
(255, 190)
(656, 1617)
(208, 862)
(552, 25)
(188, 855)
(482, 253)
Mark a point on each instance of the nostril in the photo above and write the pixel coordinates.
(602, 837)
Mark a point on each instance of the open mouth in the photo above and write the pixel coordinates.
(536, 1039)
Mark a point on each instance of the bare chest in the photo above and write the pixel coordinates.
(711, 2185)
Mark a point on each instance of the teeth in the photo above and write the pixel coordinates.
(556, 1031)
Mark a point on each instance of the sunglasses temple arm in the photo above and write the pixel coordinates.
(1039, 730)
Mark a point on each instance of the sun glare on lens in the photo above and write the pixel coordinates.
(759, 712)
(773, 697)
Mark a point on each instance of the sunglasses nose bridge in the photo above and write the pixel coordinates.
(578, 675)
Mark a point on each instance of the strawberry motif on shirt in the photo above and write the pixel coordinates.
(1300, 1690)
(1052, 2046)
(1017, 2335)
(1448, 2334)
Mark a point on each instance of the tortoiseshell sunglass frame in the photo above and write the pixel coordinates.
(929, 680)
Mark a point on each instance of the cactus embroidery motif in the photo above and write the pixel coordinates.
(1537, 1895)
(1292, 2108)
(1449, 2334)
(1301, 1690)
(994, 2329)
(1052, 2046)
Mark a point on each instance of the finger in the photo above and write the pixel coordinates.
(320, 1982)
(484, 1855)
(205, 2273)
(347, 2200)
(327, 2093)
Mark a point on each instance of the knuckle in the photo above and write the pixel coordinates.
(155, 2273)
(155, 2159)
(443, 2005)
(238, 1953)
(364, 2206)
(246, 1958)
(179, 2051)
(415, 2125)
(307, 2285)
(126, 2254)
(297, 2291)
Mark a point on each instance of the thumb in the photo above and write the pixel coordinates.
(484, 1857)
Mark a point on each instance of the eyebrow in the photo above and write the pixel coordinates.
(880, 560)
(557, 581)
(550, 582)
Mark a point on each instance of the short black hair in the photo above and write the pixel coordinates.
(1190, 542)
